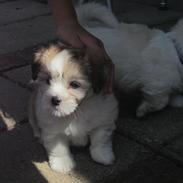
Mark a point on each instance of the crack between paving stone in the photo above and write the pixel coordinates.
(159, 152)
(23, 20)
(16, 82)
(13, 67)
(176, 137)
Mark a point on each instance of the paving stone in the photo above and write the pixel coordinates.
(18, 152)
(20, 75)
(23, 159)
(175, 148)
(175, 4)
(172, 4)
(20, 10)
(13, 102)
(21, 35)
(154, 2)
(8, 61)
(153, 170)
(139, 13)
(155, 129)
(127, 153)
(28, 53)
(20, 58)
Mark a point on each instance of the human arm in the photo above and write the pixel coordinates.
(73, 34)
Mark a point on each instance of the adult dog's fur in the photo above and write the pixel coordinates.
(146, 60)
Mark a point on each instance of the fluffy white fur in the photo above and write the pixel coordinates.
(146, 60)
(81, 114)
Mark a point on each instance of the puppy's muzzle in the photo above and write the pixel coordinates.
(55, 101)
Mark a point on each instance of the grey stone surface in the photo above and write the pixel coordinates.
(28, 53)
(175, 148)
(172, 4)
(20, 75)
(8, 61)
(152, 2)
(21, 10)
(21, 35)
(152, 170)
(176, 4)
(18, 152)
(127, 153)
(140, 13)
(155, 130)
(13, 100)
(25, 160)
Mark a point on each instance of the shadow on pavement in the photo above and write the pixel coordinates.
(18, 152)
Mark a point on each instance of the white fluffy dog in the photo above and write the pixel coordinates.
(146, 60)
(66, 107)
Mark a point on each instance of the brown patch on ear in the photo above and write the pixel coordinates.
(102, 72)
(80, 56)
(95, 68)
(42, 57)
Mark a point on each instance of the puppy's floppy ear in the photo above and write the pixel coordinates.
(94, 69)
(101, 72)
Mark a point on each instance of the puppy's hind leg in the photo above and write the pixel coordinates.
(152, 103)
(101, 145)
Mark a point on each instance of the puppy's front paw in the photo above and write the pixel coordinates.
(62, 164)
(103, 155)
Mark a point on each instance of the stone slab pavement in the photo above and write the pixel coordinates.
(147, 151)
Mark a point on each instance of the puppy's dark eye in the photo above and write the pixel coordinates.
(75, 84)
(48, 81)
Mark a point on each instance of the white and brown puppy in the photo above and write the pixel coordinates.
(68, 106)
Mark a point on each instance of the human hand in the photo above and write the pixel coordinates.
(74, 35)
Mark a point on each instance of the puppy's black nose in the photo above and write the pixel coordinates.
(55, 101)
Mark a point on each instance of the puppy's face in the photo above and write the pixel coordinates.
(64, 77)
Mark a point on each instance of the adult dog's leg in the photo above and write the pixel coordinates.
(152, 103)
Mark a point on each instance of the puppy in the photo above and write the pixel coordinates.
(147, 61)
(68, 107)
